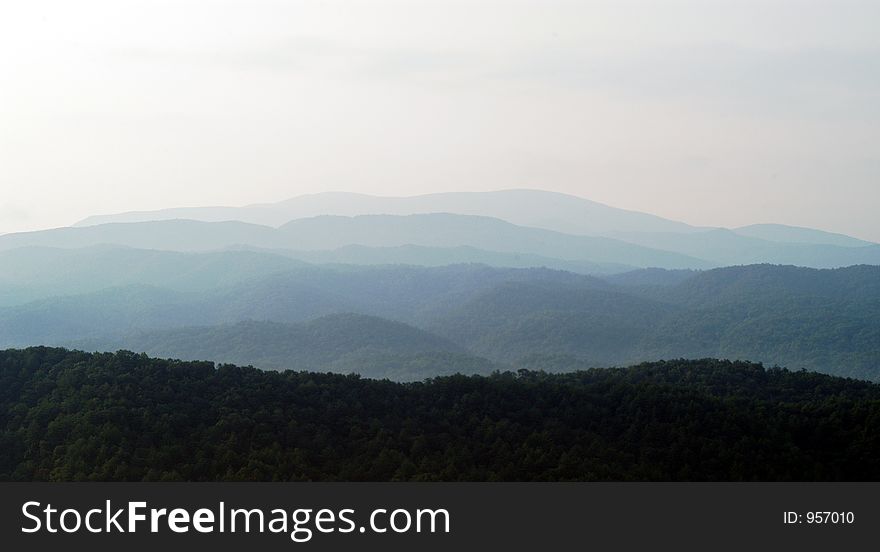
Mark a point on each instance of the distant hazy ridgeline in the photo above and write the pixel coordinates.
(564, 231)
(540, 209)
(408, 288)
(823, 320)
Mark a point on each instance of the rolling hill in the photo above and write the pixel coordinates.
(822, 320)
(32, 273)
(723, 247)
(75, 416)
(544, 227)
(417, 255)
(168, 235)
(795, 234)
(408, 294)
(326, 232)
(445, 230)
(367, 345)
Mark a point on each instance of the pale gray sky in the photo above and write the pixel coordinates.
(707, 111)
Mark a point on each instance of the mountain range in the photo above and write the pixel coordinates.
(515, 228)
(409, 288)
(541, 209)
(367, 319)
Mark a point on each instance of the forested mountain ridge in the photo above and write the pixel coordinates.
(372, 346)
(825, 320)
(68, 416)
(33, 273)
(408, 294)
(738, 284)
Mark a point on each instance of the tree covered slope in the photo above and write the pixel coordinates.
(822, 320)
(369, 345)
(126, 417)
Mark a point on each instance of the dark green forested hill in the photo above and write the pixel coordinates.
(72, 416)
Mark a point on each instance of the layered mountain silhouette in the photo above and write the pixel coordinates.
(540, 209)
(723, 247)
(507, 228)
(536, 208)
(332, 232)
(372, 346)
(410, 288)
(394, 321)
(794, 234)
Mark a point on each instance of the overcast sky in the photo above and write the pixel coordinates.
(706, 111)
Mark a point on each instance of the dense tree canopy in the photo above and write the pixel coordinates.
(67, 415)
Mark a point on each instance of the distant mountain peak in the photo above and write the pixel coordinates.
(528, 207)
